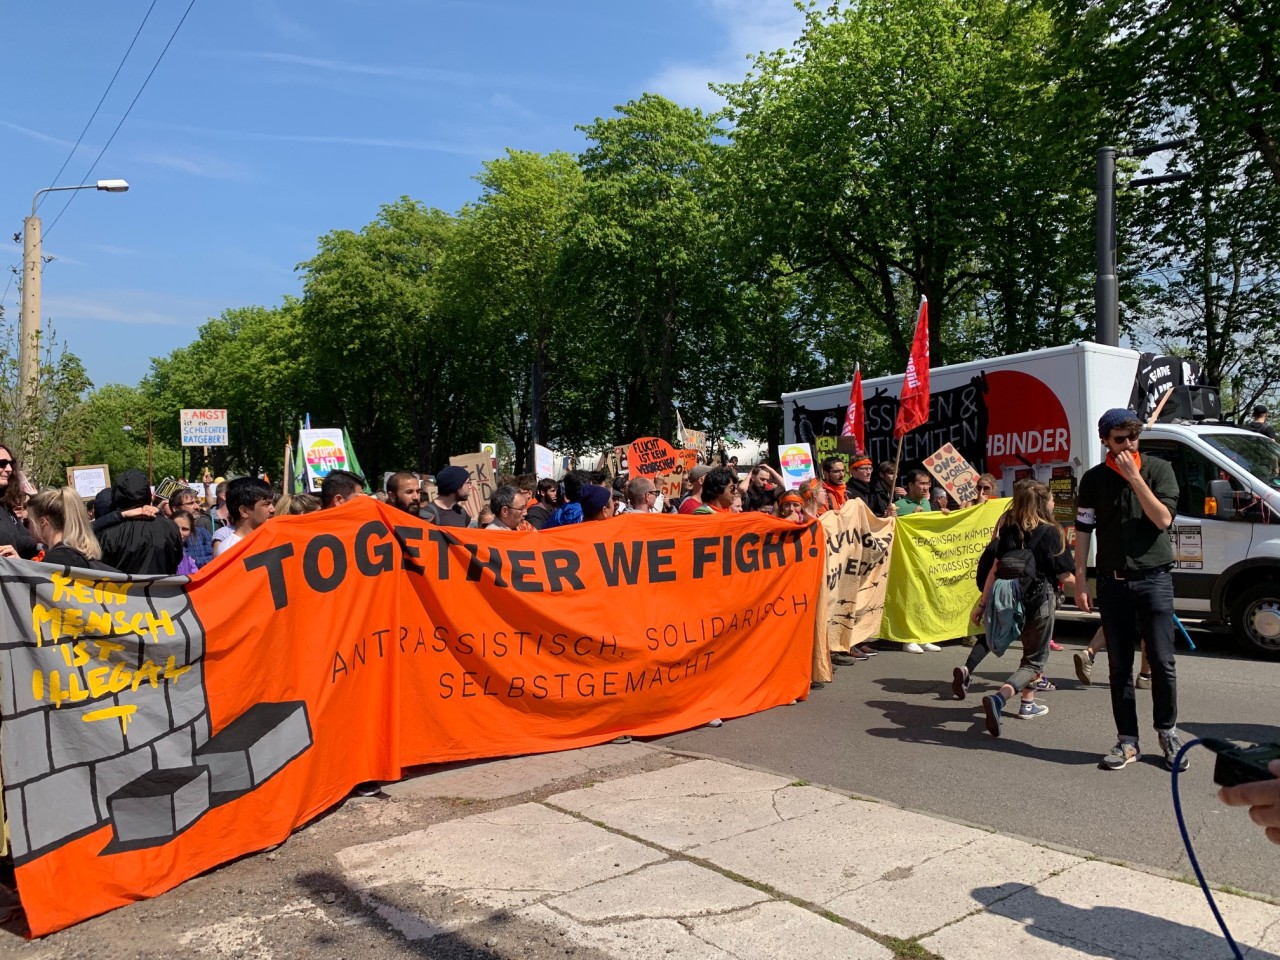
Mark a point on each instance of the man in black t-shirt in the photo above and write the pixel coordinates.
(1130, 503)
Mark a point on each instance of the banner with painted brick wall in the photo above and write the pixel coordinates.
(153, 728)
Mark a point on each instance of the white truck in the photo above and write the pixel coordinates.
(1035, 414)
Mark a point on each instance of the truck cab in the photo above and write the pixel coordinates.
(1226, 532)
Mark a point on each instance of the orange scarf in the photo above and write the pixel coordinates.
(1114, 465)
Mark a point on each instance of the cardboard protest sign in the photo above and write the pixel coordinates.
(797, 464)
(954, 474)
(649, 456)
(695, 440)
(544, 463)
(671, 484)
(89, 480)
(831, 447)
(859, 545)
(184, 723)
(480, 466)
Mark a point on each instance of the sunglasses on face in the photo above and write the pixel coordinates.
(5, 464)
(1130, 437)
(983, 488)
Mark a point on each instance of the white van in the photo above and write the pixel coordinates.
(1035, 414)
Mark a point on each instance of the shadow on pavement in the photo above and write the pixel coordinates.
(1247, 732)
(920, 723)
(1132, 933)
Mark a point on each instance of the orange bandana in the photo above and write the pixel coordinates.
(1114, 464)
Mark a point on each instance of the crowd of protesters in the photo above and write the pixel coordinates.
(130, 530)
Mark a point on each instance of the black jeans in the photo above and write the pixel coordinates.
(1133, 611)
(1037, 631)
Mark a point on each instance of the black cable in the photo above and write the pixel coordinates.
(71, 194)
(1186, 841)
(100, 102)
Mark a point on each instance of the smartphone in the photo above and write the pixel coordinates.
(1239, 764)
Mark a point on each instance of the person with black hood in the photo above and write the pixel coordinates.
(140, 544)
(453, 487)
(13, 531)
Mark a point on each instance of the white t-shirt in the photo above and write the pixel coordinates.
(224, 540)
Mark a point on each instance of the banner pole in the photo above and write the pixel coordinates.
(897, 460)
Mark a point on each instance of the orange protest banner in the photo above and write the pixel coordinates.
(156, 728)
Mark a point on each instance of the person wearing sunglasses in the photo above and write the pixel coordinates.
(14, 532)
(1129, 503)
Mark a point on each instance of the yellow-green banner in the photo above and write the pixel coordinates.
(932, 573)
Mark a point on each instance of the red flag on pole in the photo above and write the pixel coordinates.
(853, 415)
(913, 404)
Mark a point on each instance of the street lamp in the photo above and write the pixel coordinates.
(150, 470)
(29, 329)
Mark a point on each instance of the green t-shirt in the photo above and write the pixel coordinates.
(906, 505)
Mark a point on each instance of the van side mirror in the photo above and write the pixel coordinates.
(1221, 501)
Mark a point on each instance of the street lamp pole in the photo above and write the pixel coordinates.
(29, 328)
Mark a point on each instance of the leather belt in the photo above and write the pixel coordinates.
(1136, 574)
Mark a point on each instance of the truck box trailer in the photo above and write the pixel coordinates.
(1035, 415)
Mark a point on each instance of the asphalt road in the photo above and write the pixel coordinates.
(890, 728)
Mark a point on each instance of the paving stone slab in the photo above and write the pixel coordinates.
(632, 939)
(667, 890)
(913, 900)
(773, 931)
(496, 779)
(824, 855)
(696, 803)
(522, 848)
(1098, 909)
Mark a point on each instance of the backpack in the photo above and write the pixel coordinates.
(1016, 587)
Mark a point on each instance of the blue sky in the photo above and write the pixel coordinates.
(267, 124)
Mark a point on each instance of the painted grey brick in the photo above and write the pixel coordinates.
(59, 806)
(255, 745)
(175, 749)
(186, 696)
(74, 740)
(25, 745)
(151, 720)
(110, 775)
(159, 804)
(15, 812)
(46, 659)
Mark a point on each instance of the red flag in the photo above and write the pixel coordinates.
(913, 405)
(853, 416)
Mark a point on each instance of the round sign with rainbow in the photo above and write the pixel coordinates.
(324, 456)
(797, 464)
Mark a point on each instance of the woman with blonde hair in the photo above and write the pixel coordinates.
(1027, 526)
(62, 524)
(814, 495)
(294, 504)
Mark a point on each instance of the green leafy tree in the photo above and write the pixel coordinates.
(907, 149)
(644, 261)
(46, 428)
(114, 422)
(503, 275)
(254, 362)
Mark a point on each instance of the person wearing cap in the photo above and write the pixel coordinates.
(1129, 502)
(833, 477)
(453, 487)
(596, 502)
(694, 500)
(1259, 422)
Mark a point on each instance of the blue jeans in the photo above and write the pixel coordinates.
(1133, 611)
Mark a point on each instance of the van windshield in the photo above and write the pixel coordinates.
(1257, 454)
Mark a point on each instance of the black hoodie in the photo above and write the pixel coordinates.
(140, 545)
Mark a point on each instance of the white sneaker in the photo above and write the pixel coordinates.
(914, 648)
(717, 722)
(932, 647)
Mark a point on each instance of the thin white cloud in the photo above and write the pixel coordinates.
(412, 74)
(114, 250)
(397, 143)
(136, 308)
(54, 257)
(212, 168)
(508, 104)
(750, 26)
(43, 137)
